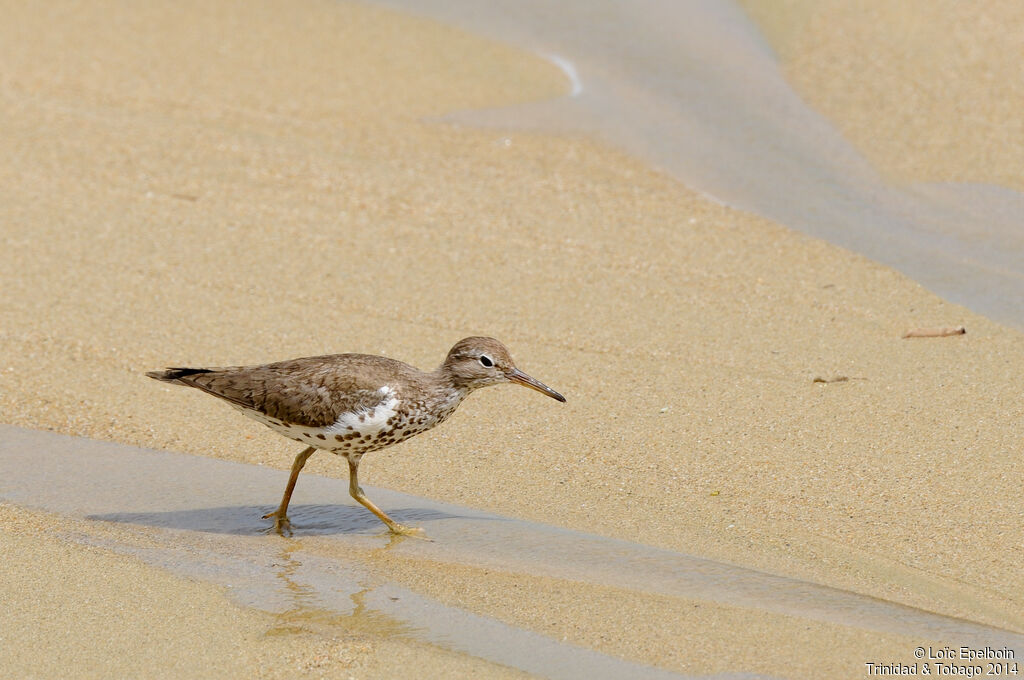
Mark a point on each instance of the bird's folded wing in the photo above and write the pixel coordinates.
(299, 392)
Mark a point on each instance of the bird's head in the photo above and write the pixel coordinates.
(477, 362)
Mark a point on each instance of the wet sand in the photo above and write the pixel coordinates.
(194, 185)
(929, 91)
(696, 89)
(622, 604)
(75, 608)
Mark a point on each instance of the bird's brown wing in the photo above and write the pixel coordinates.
(313, 391)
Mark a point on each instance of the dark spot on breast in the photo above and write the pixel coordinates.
(320, 436)
(339, 437)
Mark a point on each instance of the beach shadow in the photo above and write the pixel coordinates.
(247, 520)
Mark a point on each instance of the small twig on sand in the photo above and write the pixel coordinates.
(836, 379)
(935, 332)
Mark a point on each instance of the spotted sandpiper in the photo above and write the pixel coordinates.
(351, 404)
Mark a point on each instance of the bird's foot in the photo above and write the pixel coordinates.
(282, 524)
(397, 529)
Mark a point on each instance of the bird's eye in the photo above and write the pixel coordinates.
(485, 361)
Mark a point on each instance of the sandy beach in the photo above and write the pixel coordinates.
(219, 184)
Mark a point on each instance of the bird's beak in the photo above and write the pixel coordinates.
(517, 376)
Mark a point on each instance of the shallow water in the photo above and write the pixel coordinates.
(200, 517)
(694, 88)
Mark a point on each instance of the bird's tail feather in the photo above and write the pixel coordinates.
(173, 375)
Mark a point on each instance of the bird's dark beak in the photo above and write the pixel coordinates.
(517, 376)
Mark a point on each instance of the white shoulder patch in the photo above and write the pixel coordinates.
(368, 420)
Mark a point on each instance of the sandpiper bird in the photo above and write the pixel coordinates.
(351, 404)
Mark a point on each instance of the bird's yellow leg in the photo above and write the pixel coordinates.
(357, 493)
(281, 514)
